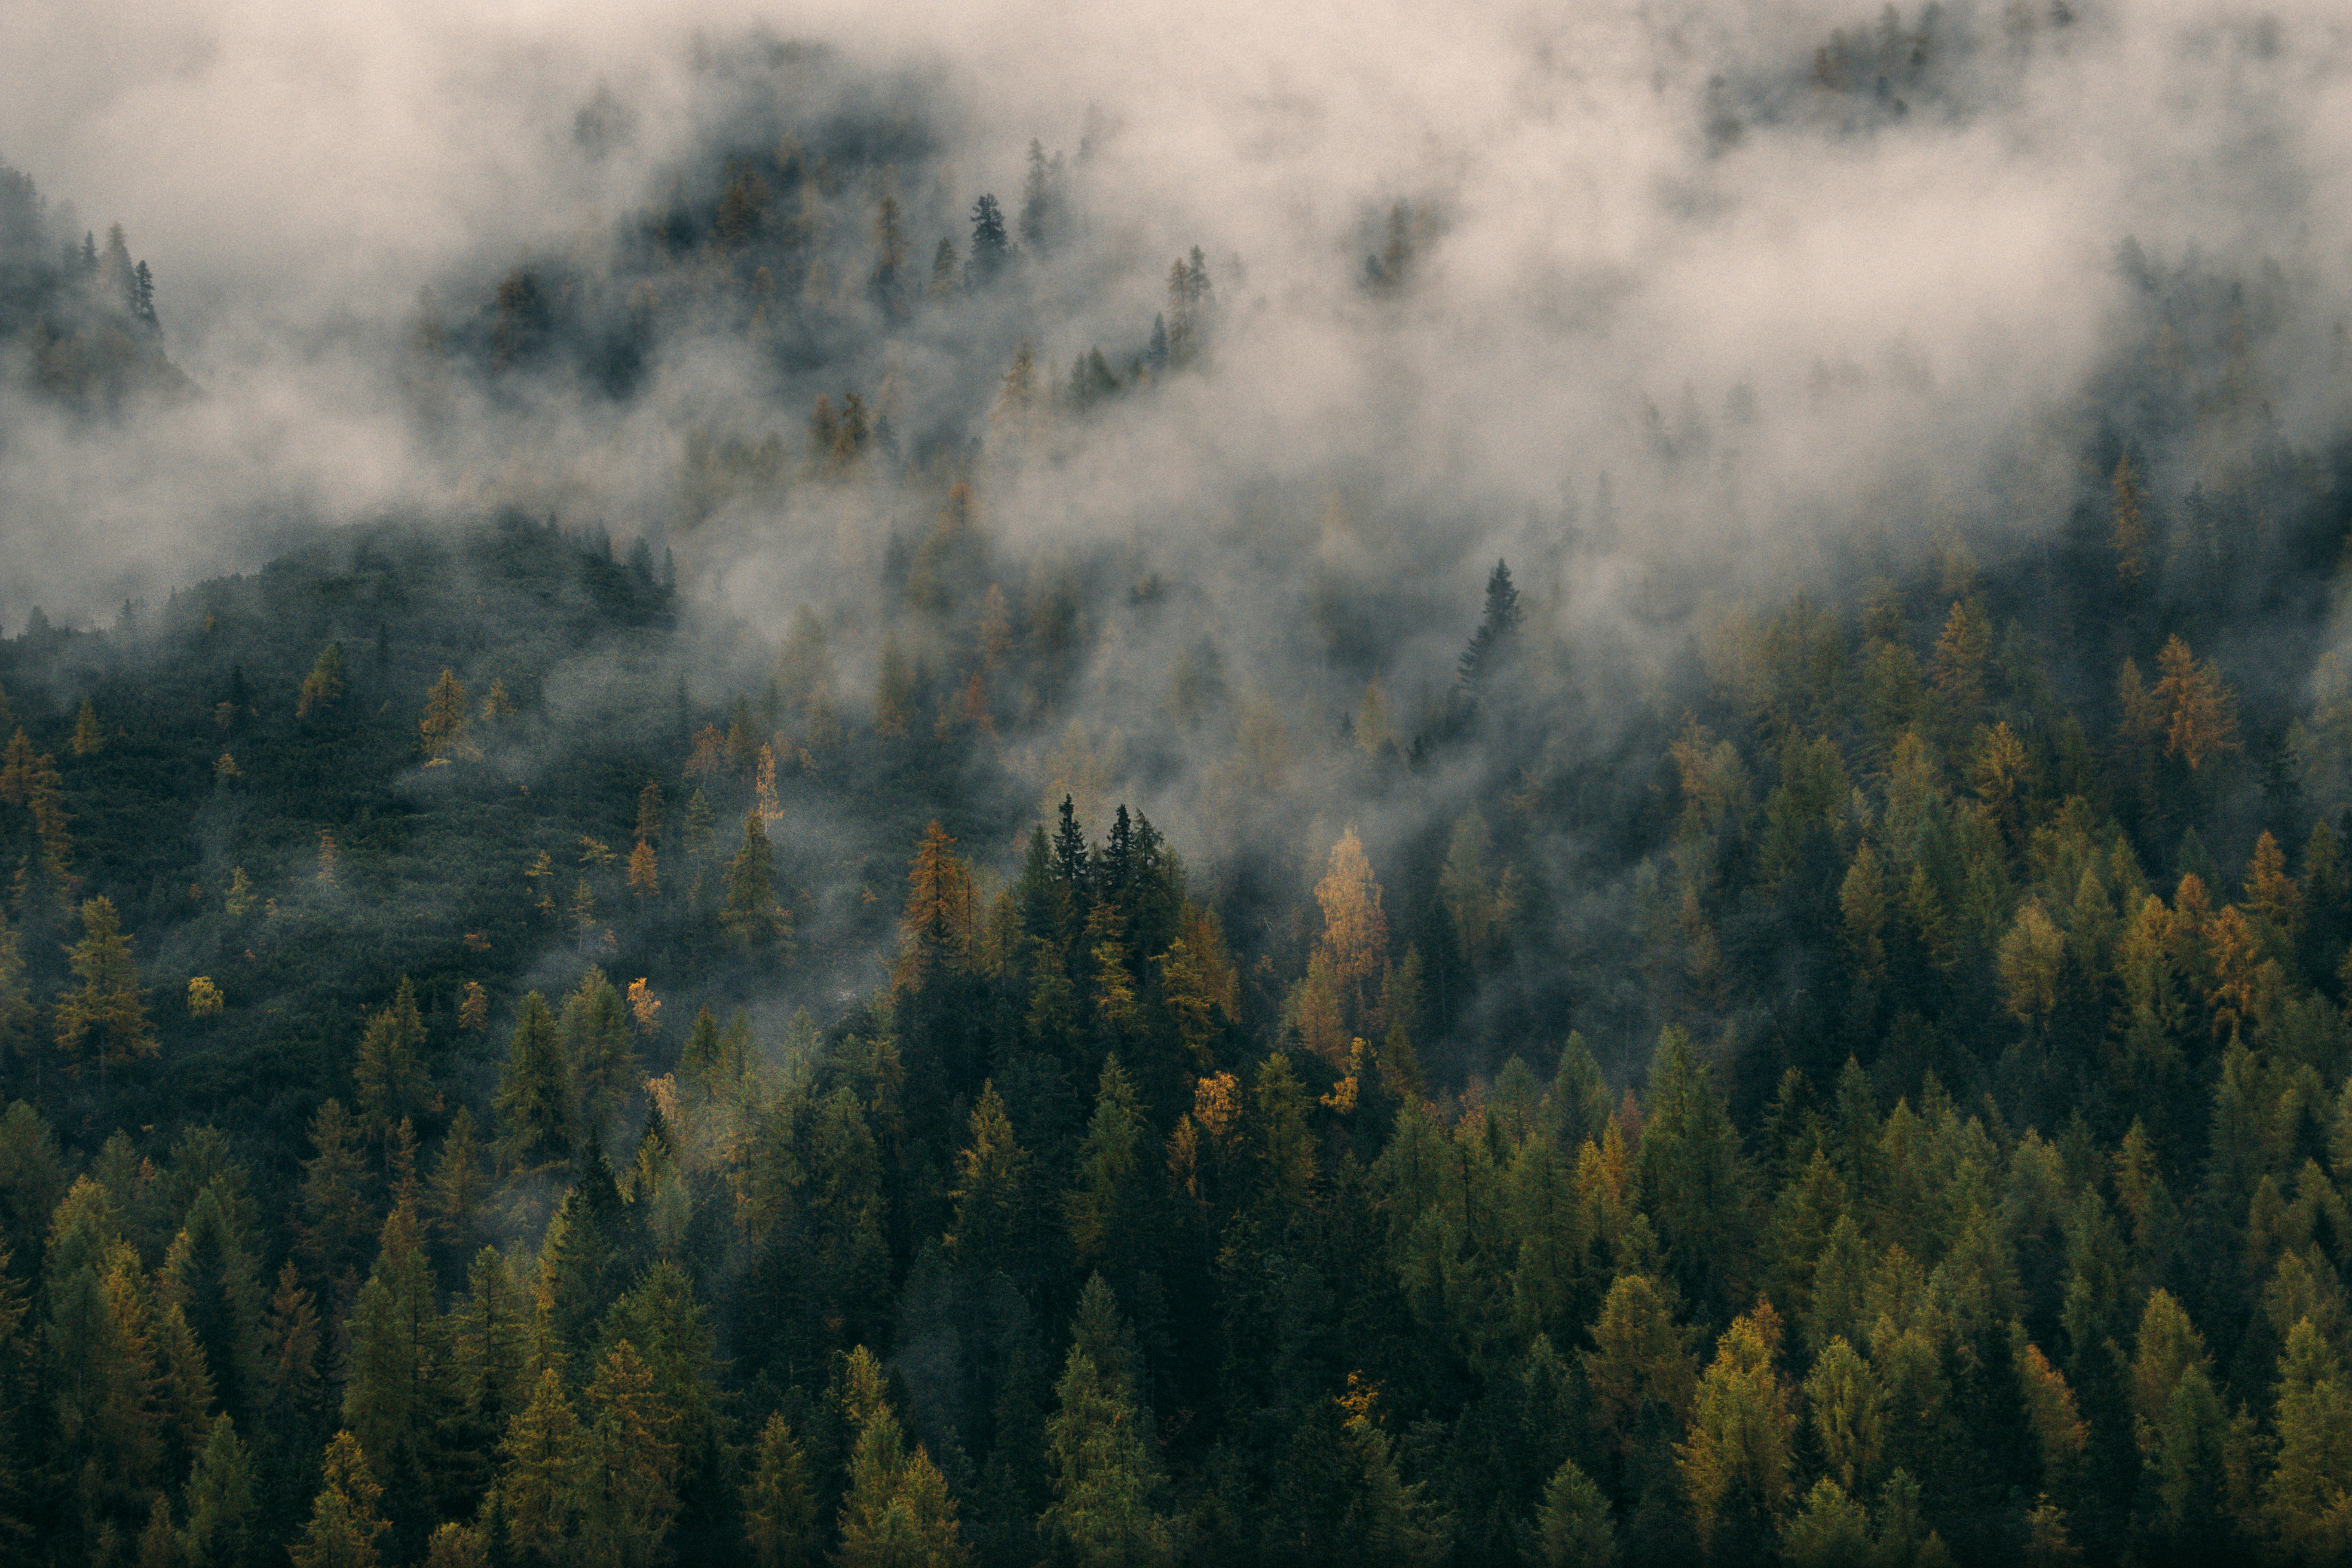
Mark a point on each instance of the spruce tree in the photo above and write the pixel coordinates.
(751, 914)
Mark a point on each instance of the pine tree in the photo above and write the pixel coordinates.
(996, 1220)
(106, 1012)
(453, 1191)
(597, 1042)
(1105, 1204)
(1693, 1176)
(1494, 643)
(19, 1015)
(398, 1389)
(210, 1276)
(1386, 1516)
(1574, 1529)
(2131, 530)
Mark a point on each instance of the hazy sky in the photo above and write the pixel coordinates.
(1900, 298)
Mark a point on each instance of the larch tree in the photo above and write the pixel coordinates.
(1737, 1464)
(2199, 712)
(89, 737)
(935, 930)
(105, 1012)
(540, 1461)
(897, 1508)
(442, 730)
(627, 1489)
(323, 687)
(344, 1518)
(388, 1073)
(779, 1511)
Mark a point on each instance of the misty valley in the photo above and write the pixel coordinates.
(865, 811)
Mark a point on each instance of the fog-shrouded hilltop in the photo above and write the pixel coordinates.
(986, 785)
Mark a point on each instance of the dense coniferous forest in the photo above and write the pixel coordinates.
(657, 1024)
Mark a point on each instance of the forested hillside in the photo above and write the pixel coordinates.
(849, 946)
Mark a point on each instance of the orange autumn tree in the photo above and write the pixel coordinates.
(2199, 713)
(935, 932)
(1331, 1005)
